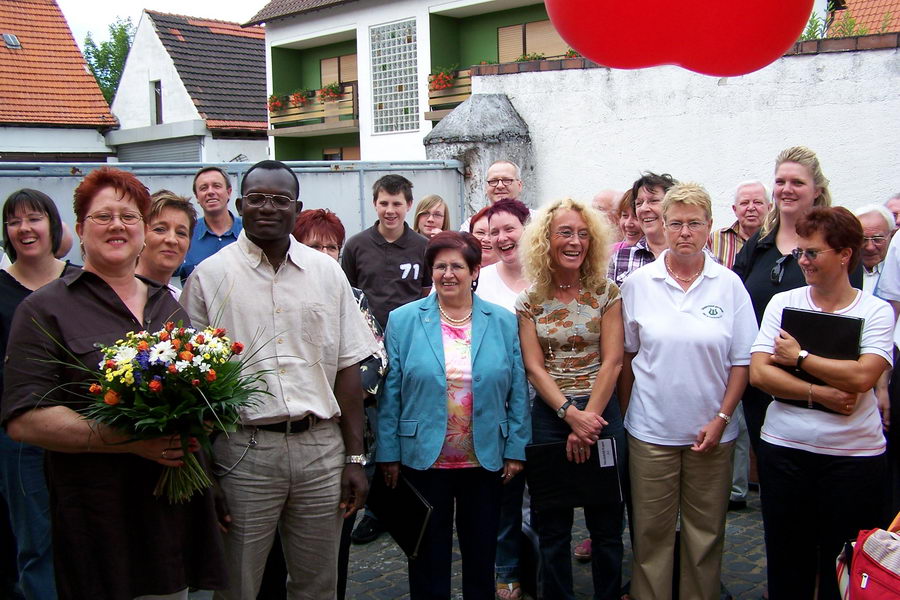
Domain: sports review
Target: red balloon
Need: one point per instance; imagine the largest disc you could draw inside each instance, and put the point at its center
(714, 37)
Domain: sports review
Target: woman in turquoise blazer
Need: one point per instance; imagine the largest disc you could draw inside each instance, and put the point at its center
(453, 416)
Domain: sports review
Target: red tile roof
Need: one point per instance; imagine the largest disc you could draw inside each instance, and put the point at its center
(874, 14)
(46, 81)
(285, 8)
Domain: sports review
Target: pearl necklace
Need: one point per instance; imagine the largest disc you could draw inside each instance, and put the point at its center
(682, 279)
(451, 320)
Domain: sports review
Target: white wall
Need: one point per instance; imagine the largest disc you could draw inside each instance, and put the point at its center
(225, 150)
(598, 128)
(51, 139)
(358, 17)
(148, 61)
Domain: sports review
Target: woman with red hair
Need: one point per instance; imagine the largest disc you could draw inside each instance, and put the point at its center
(112, 538)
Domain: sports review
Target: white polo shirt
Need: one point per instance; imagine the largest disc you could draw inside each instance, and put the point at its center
(686, 344)
(492, 288)
(817, 431)
(888, 286)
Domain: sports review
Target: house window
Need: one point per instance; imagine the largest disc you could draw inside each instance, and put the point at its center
(537, 37)
(156, 116)
(338, 69)
(395, 89)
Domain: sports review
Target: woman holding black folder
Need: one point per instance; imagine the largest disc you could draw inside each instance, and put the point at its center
(570, 326)
(453, 416)
(821, 455)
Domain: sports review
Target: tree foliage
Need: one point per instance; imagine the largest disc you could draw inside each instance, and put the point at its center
(107, 59)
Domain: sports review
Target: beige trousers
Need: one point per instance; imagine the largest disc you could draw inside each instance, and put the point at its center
(289, 481)
(665, 479)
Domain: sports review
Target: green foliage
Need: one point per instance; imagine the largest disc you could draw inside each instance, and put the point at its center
(886, 19)
(816, 28)
(530, 56)
(107, 60)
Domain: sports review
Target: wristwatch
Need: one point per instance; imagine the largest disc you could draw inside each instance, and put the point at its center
(803, 354)
(724, 417)
(356, 459)
(561, 411)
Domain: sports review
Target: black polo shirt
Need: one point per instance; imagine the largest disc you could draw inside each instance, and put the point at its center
(390, 273)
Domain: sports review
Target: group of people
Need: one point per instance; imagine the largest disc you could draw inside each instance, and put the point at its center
(441, 355)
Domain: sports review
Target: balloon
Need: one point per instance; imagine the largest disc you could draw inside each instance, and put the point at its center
(714, 37)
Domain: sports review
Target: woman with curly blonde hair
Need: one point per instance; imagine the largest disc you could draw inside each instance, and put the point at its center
(571, 332)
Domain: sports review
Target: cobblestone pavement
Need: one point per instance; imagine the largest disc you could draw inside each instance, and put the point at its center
(378, 570)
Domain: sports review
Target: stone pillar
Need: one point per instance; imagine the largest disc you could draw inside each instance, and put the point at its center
(483, 129)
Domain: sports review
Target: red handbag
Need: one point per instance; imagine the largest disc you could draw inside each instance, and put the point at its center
(874, 570)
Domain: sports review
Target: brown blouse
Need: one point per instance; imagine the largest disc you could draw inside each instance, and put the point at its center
(112, 539)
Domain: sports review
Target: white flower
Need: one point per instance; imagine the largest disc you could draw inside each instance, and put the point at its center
(200, 363)
(125, 355)
(181, 365)
(162, 352)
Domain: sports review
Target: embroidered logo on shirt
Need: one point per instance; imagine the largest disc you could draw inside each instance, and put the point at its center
(712, 311)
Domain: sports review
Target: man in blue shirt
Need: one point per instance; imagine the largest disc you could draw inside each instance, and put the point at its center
(218, 227)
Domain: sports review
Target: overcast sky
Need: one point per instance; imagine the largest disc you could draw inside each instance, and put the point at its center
(96, 15)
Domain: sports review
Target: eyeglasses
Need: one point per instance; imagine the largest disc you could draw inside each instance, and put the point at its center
(434, 215)
(496, 182)
(677, 226)
(105, 218)
(877, 240)
(567, 234)
(326, 247)
(809, 254)
(259, 200)
(31, 220)
(777, 273)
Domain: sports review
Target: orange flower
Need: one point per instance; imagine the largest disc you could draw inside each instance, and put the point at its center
(189, 347)
(186, 356)
(96, 388)
(200, 339)
(237, 348)
(111, 397)
(170, 326)
(110, 364)
(195, 382)
(176, 343)
(172, 369)
(219, 332)
(155, 386)
(211, 375)
(163, 336)
(142, 345)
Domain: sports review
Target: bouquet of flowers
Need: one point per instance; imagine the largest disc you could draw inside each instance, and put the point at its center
(176, 381)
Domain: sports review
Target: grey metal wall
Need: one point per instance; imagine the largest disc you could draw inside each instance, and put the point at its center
(343, 187)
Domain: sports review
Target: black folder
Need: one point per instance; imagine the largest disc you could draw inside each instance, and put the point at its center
(824, 334)
(556, 482)
(403, 512)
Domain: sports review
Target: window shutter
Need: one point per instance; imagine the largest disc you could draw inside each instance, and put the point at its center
(329, 70)
(510, 42)
(541, 37)
(348, 68)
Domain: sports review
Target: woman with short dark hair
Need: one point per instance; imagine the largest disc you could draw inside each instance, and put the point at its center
(32, 231)
(453, 416)
(821, 471)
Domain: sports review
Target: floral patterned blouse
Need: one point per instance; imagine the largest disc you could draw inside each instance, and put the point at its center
(569, 334)
(459, 447)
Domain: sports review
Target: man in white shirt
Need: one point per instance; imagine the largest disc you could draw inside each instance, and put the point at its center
(292, 464)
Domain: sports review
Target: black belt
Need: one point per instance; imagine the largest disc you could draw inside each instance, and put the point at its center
(298, 426)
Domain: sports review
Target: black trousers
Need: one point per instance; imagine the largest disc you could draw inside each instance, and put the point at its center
(474, 496)
(811, 504)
